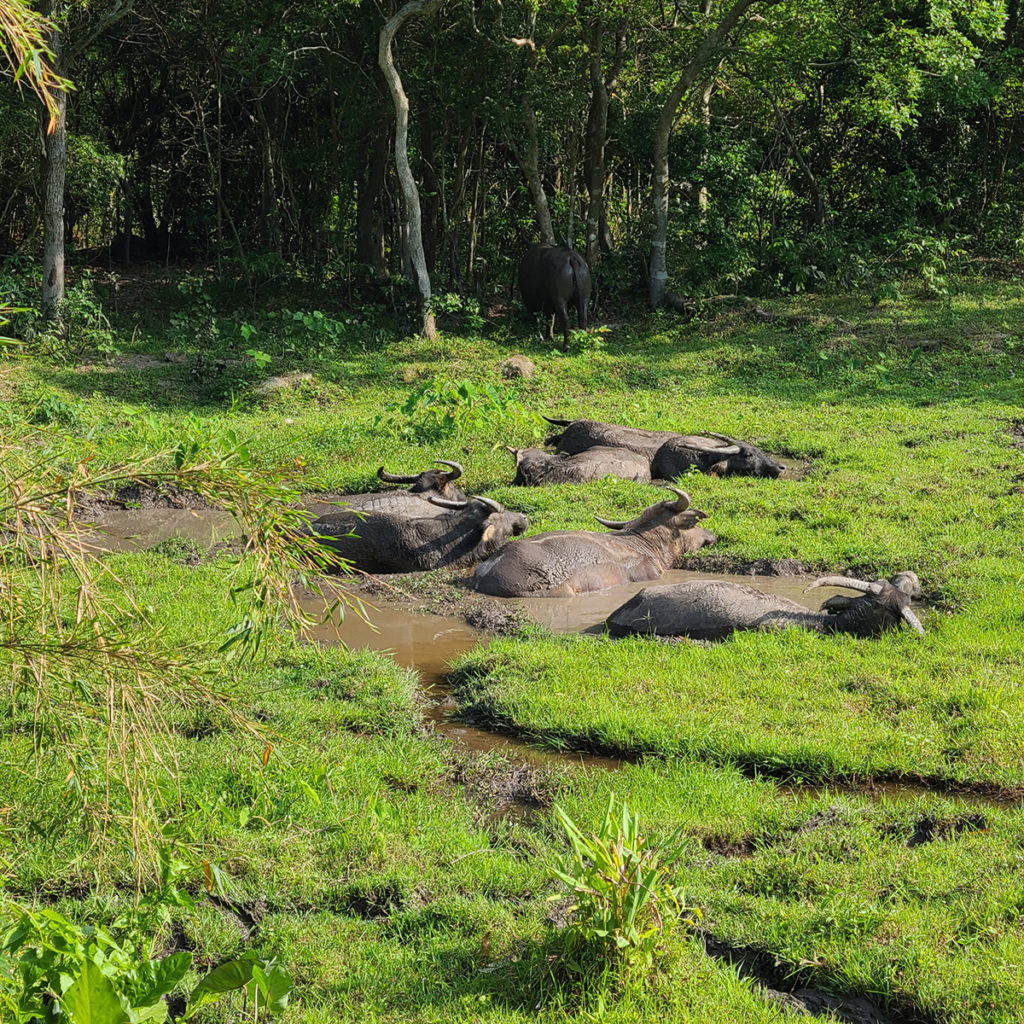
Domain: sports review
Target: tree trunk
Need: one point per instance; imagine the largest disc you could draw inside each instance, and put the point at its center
(55, 159)
(369, 225)
(531, 168)
(658, 272)
(54, 167)
(601, 88)
(410, 193)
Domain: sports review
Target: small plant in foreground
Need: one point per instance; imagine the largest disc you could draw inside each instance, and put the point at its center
(54, 969)
(623, 900)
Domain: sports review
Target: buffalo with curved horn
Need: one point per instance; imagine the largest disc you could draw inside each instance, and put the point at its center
(713, 454)
(567, 562)
(670, 454)
(578, 435)
(446, 533)
(535, 467)
(415, 500)
(712, 609)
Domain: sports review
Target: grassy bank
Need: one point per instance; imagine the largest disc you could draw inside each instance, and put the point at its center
(370, 858)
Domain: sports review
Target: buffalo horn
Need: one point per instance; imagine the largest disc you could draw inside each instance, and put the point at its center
(446, 502)
(731, 447)
(912, 621)
(490, 503)
(683, 499)
(845, 581)
(456, 468)
(613, 524)
(556, 423)
(390, 478)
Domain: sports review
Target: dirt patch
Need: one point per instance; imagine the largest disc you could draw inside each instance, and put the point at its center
(497, 787)
(727, 847)
(137, 496)
(930, 829)
(758, 567)
(1017, 434)
(785, 989)
(496, 619)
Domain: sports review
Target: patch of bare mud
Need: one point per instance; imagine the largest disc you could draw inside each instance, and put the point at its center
(772, 981)
(1017, 434)
(137, 496)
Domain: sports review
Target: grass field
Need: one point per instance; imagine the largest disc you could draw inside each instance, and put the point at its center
(375, 861)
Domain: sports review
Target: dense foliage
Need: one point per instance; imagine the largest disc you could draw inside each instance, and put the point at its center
(814, 143)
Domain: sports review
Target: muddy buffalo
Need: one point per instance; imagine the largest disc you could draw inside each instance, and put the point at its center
(535, 467)
(671, 454)
(577, 436)
(570, 562)
(712, 609)
(451, 533)
(713, 454)
(553, 279)
(415, 499)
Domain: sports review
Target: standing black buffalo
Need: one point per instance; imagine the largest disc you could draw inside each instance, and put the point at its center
(551, 279)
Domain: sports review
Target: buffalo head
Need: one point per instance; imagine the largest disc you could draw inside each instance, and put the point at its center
(430, 481)
(713, 454)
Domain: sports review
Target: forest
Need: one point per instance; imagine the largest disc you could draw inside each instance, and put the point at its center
(371, 655)
(687, 150)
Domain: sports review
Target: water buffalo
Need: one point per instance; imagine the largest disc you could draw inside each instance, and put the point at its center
(415, 500)
(578, 435)
(454, 533)
(569, 562)
(551, 279)
(671, 454)
(713, 454)
(535, 467)
(712, 609)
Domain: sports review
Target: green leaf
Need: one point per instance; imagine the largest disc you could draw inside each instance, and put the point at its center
(158, 977)
(274, 985)
(92, 999)
(229, 977)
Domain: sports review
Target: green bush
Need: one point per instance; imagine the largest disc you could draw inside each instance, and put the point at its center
(623, 899)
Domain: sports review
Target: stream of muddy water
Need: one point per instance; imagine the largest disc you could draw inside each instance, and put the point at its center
(429, 643)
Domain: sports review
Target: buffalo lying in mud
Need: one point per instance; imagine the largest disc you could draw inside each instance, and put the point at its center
(578, 435)
(712, 609)
(450, 533)
(713, 454)
(568, 562)
(553, 278)
(671, 454)
(415, 500)
(535, 467)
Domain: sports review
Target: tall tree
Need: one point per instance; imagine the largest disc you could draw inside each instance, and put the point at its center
(74, 27)
(410, 193)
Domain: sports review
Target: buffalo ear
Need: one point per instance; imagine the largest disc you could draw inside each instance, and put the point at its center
(718, 469)
(488, 533)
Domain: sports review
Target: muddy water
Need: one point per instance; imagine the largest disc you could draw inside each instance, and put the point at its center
(134, 529)
(428, 644)
(796, 469)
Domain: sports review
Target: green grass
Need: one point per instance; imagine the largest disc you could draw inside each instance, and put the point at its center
(365, 851)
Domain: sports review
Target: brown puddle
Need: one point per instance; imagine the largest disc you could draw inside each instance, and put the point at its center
(795, 469)
(428, 644)
(135, 529)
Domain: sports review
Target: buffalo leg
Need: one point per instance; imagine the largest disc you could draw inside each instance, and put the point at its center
(581, 312)
(562, 312)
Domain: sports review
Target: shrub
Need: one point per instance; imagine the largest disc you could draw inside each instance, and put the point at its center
(623, 899)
